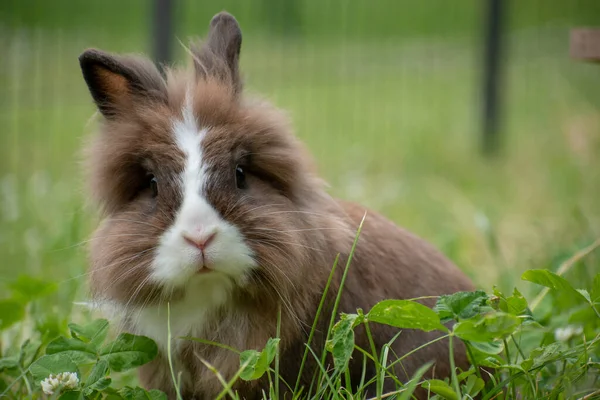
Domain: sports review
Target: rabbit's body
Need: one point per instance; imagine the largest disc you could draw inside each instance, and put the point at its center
(389, 263)
(213, 209)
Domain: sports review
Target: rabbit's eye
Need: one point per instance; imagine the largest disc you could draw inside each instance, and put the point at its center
(240, 178)
(153, 185)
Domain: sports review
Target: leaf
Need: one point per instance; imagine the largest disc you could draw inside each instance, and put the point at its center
(271, 349)
(473, 386)
(487, 328)
(79, 351)
(97, 373)
(112, 394)
(128, 351)
(27, 288)
(489, 348)
(11, 312)
(483, 359)
(98, 386)
(248, 361)
(465, 374)
(585, 294)
(491, 362)
(70, 395)
(8, 363)
(52, 364)
(551, 280)
(341, 344)
(137, 393)
(94, 332)
(440, 387)
(153, 394)
(409, 388)
(541, 356)
(515, 304)
(257, 362)
(461, 305)
(405, 314)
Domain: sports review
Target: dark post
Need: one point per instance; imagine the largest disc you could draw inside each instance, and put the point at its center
(162, 31)
(492, 74)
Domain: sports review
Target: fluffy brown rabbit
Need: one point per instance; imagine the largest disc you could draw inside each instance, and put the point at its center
(211, 205)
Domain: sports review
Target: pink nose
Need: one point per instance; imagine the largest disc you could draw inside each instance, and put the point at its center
(200, 241)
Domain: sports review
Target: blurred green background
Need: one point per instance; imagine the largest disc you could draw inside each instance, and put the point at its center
(387, 95)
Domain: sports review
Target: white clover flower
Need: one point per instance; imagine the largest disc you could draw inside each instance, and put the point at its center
(64, 380)
(49, 385)
(71, 380)
(566, 333)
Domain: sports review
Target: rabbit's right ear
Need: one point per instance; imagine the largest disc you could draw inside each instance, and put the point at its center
(118, 83)
(219, 55)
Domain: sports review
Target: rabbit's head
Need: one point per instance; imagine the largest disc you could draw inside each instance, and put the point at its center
(200, 187)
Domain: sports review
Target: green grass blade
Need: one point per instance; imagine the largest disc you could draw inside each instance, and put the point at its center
(341, 288)
(169, 356)
(410, 387)
(315, 321)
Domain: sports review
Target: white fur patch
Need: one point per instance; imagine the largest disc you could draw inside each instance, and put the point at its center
(188, 316)
(176, 263)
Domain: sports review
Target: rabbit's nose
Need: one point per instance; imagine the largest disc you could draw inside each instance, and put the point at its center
(200, 240)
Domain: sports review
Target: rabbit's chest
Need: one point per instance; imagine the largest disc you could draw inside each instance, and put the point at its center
(191, 316)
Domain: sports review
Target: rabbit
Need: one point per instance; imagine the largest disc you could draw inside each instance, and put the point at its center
(216, 224)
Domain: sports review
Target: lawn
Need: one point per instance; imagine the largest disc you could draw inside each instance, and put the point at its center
(389, 110)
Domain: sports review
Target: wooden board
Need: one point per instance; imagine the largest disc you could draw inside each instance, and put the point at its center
(585, 44)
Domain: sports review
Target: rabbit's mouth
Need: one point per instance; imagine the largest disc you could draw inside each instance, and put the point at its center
(203, 270)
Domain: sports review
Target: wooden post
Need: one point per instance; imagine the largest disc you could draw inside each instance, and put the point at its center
(163, 31)
(492, 70)
(585, 44)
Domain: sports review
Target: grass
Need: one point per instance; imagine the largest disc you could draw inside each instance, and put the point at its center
(391, 117)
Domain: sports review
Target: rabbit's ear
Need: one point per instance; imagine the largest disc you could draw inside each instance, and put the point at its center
(118, 83)
(219, 55)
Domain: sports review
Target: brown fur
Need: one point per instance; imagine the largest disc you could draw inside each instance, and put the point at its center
(292, 225)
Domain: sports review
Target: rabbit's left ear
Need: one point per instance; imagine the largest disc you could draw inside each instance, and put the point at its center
(118, 83)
